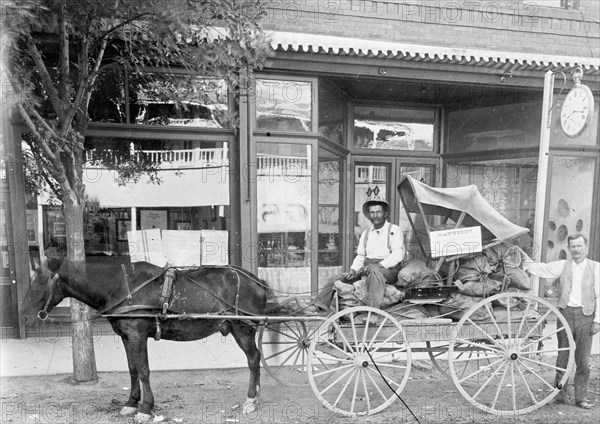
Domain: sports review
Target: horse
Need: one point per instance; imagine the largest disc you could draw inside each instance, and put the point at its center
(150, 293)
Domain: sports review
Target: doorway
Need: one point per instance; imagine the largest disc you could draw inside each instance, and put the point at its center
(380, 176)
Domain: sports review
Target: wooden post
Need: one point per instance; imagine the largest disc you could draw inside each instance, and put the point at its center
(542, 177)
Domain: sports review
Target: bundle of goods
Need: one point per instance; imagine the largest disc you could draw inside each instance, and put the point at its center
(355, 294)
(496, 270)
(421, 283)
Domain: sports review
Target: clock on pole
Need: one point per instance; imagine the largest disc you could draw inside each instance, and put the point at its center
(577, 108)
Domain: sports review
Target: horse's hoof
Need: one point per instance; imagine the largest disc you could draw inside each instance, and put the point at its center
(140, 417)
(249, 406)
(127, 410)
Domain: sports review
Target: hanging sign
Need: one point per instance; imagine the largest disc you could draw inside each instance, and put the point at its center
(459, 241)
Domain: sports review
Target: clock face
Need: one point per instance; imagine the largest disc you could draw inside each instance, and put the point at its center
(577, 110)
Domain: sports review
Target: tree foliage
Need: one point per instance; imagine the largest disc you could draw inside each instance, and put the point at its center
(58, 48)
(53, 52)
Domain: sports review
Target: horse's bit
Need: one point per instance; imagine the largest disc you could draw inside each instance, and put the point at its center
(43, 314)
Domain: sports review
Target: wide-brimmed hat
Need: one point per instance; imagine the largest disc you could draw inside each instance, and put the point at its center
(375, 200)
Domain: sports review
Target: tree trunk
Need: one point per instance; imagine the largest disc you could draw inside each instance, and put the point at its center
(84, 358)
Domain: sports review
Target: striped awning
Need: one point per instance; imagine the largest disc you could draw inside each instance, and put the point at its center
(343, 46)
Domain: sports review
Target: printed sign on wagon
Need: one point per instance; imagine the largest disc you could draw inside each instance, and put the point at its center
(460, 241)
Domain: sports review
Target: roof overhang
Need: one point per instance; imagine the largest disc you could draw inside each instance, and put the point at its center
(344, 46)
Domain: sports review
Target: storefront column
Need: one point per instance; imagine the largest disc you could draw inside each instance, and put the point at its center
(542, 176)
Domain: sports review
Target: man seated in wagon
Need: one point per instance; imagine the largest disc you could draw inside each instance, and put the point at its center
(378, 258)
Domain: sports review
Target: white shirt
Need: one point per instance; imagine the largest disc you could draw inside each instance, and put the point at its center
(554, 269)
(377, 246)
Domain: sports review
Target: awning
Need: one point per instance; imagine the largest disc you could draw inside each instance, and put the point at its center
(453, 201)
(344, 46)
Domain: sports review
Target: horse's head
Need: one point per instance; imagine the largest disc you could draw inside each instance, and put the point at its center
(43, 294)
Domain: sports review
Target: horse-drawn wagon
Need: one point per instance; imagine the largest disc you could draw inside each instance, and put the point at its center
(499, 354)
(357, 360)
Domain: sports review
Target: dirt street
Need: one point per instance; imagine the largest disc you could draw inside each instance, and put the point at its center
(216, 396)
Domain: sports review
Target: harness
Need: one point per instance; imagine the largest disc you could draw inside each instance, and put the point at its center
(118, 309)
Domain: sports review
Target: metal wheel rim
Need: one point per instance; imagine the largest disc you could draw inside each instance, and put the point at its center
(358, 374)
(295, 356)
(510, 359)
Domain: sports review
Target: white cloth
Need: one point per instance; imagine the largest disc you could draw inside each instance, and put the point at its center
(555, 269)
(377, 246)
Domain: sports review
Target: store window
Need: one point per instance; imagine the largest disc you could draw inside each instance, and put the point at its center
(490, 128)
(155, 99)
(331, 111)
(509, 186)
(284, 199)
(569, 210)
(107, 103)
(284, 105)
(330, 224)
(152, 101)
(394, 128)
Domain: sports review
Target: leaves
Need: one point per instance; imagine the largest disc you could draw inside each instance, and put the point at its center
(59, 48)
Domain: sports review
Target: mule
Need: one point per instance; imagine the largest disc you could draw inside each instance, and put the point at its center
(227, 290)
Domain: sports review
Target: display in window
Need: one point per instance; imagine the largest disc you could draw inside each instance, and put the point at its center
(283, 105)
(150, 219)
(123, 226)
(393, 128)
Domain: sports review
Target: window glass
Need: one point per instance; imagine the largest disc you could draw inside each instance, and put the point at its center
(284, 216)
(494, 127)
(393, 128)
(331, 111)
(283, 105)
(424, 174)
(107, 103)
(509, 186)
(329, 217)
(369, 179)
(175, 100)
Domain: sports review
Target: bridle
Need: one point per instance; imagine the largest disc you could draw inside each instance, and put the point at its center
(43, 314)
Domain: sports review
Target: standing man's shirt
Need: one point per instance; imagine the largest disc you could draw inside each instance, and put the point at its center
(385, 243)
(555, 269)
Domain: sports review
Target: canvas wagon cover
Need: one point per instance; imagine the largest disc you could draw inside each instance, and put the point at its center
(441, 201)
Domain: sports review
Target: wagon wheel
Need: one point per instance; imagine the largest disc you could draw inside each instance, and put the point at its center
(369, 347)
(507, 374)
(284, 350)
(438, 354)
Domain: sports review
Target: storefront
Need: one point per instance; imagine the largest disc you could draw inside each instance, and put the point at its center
(328, 121)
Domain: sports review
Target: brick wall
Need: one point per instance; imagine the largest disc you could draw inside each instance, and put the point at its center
(505, 25)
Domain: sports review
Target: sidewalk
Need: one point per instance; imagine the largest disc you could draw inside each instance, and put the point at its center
(52, 355)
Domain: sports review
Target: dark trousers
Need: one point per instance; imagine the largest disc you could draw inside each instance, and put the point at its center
(376, 281)
(581, 326)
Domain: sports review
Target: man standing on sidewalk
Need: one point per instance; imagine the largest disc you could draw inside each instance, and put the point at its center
(579, 302)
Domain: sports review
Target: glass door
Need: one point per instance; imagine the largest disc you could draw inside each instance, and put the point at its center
(330, 216)
(381, 176)
(424, 174)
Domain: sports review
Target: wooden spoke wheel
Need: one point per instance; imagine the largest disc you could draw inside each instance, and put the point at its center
(284, 350)
(508, 372)
(368, 360)
(438, 355)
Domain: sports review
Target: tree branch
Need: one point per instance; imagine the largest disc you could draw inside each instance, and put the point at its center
(47, 151)
(46, 80)
(64, 69)
(109, 31)
(86, 81)
(59, 173)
